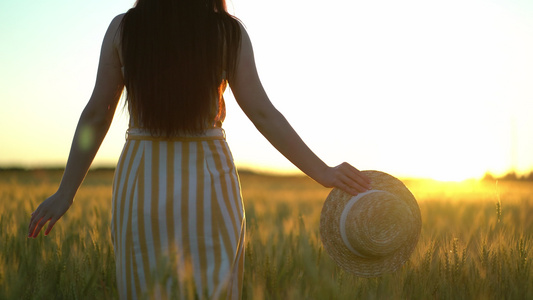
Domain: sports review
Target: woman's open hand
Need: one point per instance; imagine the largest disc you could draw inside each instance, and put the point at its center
(347, 178)
(52, 209)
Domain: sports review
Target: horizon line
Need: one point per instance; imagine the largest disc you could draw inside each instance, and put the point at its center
(509, 175)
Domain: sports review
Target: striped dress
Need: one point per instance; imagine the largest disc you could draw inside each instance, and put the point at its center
(178, 221)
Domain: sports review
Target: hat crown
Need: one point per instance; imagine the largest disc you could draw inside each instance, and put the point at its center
(375, 223)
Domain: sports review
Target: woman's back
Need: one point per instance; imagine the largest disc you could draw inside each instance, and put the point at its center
(176, 193)
(177, 56)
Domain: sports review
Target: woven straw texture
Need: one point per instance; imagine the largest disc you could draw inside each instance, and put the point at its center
(381, 227)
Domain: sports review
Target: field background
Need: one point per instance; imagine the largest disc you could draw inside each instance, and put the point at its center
(475, 243)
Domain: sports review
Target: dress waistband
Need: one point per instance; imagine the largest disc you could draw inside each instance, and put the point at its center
(144, 134)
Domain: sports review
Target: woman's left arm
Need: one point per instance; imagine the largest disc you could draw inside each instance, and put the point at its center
(92, 127)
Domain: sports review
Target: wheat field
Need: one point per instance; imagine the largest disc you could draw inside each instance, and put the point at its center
(475, 243)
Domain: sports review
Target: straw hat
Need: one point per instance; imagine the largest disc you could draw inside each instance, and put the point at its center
(374, 232)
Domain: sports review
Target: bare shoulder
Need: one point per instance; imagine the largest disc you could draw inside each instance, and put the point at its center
(246, 43)
(244, 32)
(113, 35)
(116, 20)
(114, 26)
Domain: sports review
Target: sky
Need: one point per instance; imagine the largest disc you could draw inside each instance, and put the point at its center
(438, 89)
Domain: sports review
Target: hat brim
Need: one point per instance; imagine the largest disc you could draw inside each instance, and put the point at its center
(344, 257)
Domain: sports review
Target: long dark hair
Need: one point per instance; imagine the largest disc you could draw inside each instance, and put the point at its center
(177, 56)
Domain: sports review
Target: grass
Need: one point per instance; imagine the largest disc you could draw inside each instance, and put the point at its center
(475, 243)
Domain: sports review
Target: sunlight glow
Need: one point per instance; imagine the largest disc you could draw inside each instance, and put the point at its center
(437, 89)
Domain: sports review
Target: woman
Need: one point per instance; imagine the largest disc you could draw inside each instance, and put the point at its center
(177, 207)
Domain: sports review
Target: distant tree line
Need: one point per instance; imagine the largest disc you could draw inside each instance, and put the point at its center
(511, 176)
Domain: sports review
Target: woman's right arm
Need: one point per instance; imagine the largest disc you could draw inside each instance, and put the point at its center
(253, 100)
(92, 127)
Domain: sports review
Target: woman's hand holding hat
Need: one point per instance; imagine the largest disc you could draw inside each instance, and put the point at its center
(347, 178)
